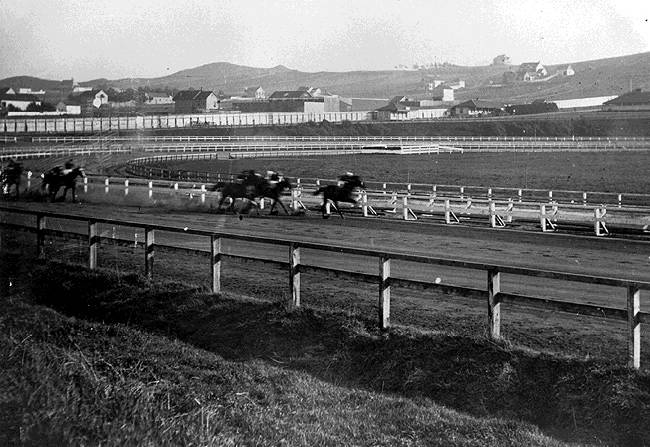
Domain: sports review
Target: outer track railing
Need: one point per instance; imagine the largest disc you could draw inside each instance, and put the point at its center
(493, 295)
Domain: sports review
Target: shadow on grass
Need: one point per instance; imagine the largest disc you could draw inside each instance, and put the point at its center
(571, 399)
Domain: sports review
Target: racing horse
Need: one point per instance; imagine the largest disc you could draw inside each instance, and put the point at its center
(252, 186)
(273, 191)
(248, 186)
(343, 193)
(11, 175)
(55, 178)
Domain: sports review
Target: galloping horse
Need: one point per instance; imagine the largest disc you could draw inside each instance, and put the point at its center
(341, 193)
(11, 175)
(273, 191)
(54, 179)
(252, 186)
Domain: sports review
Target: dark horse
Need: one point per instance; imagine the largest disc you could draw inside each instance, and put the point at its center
(252, 187)
(11, 175)
(54, 179)
(343, 193)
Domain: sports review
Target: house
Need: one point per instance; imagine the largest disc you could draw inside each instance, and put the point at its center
(18, 101)
(256, 92)
(431, 84)
(315, 92)
(501, 59)
(195, 101)
(403, 108)
(568, 71)
(633, 101)
(157, 98)
(91, 99)
(530, 71)
(477, 108)
(442, 93)
(79, 89)
(7, 91)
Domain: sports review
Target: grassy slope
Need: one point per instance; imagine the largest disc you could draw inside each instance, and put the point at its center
(73, 382)
(308, 377)
(610, 76)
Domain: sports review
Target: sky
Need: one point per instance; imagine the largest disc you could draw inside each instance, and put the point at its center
(89, 39)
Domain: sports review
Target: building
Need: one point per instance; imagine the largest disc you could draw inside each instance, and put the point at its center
(91, 100)
(568, 71)
(18, 101)
(69, 107)
(195, 101)
(404, 108)
(443, 92)
(537, 106)
(315, 92)
(633, 101)
(256, 92)
(477, 108)
(7, 91)
(289, 95)
(158, 98)
(29, 91)
(530, 71)
(501, 59)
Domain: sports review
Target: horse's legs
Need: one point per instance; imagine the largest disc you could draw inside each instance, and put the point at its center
(282, 205)
(338, 210)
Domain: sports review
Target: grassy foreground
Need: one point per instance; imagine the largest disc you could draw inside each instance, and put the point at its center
(97, 357)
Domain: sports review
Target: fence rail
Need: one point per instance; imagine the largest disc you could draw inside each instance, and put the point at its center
(493, 294)
(444, 138)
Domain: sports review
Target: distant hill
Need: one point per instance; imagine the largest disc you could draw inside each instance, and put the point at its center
(600, 77)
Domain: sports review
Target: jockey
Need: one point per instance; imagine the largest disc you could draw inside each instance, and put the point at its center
(273, 178)
(68, 167)
(346, 177)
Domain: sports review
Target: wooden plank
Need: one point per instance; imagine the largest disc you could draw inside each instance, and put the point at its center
(215, 261)
(634, 327)
(384, 292)
(294, 274)
(148, 251)
(494, 306)
(92, 244)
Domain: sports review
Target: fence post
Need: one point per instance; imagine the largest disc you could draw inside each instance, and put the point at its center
(494, 307)
(294, 274)
(215, 261)
(40, 237)
(148, 252)
(633, 327)
(384, 292)
(93, 240)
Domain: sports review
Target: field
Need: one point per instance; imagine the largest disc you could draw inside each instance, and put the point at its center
(178, 356)
(594, 171)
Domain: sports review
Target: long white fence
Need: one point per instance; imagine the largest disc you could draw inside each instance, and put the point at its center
(493, 296)
(105, 124)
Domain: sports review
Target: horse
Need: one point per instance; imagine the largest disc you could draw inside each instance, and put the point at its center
(11, 175)
(251, 187)
(341, 193)
(54, 179)
(273, 191)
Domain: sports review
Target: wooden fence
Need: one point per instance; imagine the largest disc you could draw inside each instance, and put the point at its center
(492, 295)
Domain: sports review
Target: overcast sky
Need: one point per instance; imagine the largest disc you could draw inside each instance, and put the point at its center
(88, 39)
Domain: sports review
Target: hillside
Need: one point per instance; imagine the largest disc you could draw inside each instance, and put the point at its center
(592, 78)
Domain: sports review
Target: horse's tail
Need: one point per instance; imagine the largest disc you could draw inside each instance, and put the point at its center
(320, 190)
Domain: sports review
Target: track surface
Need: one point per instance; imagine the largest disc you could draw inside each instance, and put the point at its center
(586, 255)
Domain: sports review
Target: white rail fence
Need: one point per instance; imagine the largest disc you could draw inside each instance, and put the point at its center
(493, 296)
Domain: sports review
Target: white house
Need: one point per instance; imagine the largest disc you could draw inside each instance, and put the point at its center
(18, 100)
